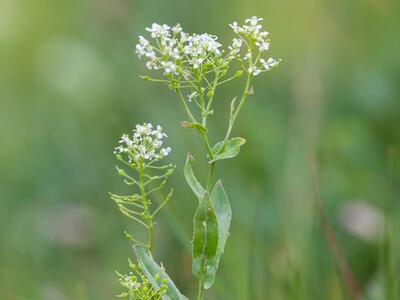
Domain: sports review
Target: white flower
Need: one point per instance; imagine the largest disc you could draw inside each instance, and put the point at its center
(253, 20)
(144, 129)
(144, 145)
(197, 62)
(236, 43)
(177, 28)
(192, 96)
(152, 65)
(169, 67)
(140, 50)
(252, 30)
(142, 47)
(235, 47)
(165, 151)
(143, 41)
(174, 53)
(254, 70)
(269, 64)
(236, 28)
(157, 144)
(247, 56)
(184, 37)
(158, 132)
(263, 46)
(157, 30)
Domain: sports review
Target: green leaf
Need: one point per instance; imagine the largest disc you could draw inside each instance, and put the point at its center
(205, 234)
(192, 181)
(196, 126)
(224, 214)
(151, 269)
(230, 150)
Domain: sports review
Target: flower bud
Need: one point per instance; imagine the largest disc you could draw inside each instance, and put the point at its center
(238, 73)
(121, 172)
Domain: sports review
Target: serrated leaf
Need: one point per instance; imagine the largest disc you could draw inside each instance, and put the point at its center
(230, 150)
(205, 233)
(192, 181)
(151, 269)
(224, 214)
(196, 126)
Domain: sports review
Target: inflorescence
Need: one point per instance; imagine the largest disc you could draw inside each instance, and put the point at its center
(138, 287)
(178, 54)
(145, 144)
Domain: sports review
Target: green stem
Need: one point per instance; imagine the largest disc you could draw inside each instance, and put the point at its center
(148, 216)
(200, 295)
(210, 101)
(203, 262)
(207, 145)
(232, 119)
(210, 178)
(191, 117)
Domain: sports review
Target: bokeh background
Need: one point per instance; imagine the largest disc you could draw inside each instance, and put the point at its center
(69, 86)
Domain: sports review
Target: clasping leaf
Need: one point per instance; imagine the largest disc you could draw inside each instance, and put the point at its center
(230, 150)
(224, 214)
(205, 234)
(192, 181)
(200, 128)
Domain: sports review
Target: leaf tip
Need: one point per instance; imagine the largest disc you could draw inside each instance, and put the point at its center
(189, 157)
(184, 124)
(242, 141)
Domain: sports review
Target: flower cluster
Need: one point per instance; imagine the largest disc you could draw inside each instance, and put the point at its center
(138, 287)
(258, 41)
(179, 55)
(145, 144)
(177, 51)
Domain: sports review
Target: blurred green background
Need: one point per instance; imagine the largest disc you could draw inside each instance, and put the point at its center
(69, 86)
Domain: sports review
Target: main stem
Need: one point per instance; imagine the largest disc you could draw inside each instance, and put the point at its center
(210, 179)
(149, 219)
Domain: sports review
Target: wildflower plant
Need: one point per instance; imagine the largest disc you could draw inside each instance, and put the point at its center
(142, 151)
(194, 66)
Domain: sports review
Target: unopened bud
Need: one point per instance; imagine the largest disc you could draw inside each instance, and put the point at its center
(238, 73)
(121, 172)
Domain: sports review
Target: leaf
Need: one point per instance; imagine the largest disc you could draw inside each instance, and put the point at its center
(192, 181)
(224, 214)
(151, 269)
(230, 150)
(205, 234)
(196, 126)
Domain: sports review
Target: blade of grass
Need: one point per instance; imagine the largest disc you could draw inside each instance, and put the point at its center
(345, 271)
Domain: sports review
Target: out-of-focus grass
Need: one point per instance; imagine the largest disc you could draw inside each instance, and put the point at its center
(69, 86)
